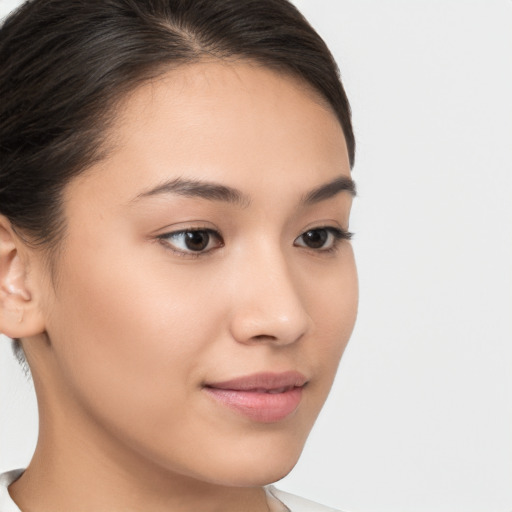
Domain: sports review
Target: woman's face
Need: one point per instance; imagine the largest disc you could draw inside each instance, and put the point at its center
(206, 289)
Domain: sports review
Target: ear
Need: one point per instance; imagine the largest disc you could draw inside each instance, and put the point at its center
(20, 315)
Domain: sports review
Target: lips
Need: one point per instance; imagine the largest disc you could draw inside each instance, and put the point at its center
(261, 397)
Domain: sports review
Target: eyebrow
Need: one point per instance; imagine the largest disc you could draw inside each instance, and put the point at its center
(329, 190)
(198, 188)
(217, 192)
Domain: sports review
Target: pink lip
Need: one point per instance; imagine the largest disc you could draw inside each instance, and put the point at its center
(262, 397)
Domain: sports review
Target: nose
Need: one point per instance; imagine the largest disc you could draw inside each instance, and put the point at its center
(267, 306)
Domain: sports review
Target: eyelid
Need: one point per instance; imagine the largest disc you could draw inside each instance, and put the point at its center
(337, 232)
(165, 238)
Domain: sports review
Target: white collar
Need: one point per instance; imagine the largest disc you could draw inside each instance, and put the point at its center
(6, 479)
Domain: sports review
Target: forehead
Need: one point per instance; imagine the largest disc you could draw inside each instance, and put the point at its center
(238, 77)
(234, 122)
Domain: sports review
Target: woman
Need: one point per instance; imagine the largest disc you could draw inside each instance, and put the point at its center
(175, 256)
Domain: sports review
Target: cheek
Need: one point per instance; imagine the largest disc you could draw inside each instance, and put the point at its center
(332, 303)
(333, 300)
(131, 350)
(128, 332)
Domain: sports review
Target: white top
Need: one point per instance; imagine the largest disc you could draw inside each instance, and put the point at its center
(278, 501)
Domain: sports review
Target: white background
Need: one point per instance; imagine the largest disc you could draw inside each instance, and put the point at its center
(420, 418)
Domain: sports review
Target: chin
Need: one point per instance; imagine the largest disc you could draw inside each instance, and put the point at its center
(258, 476)
(256, 468)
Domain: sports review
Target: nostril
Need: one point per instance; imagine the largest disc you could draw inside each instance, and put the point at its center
(264, 337)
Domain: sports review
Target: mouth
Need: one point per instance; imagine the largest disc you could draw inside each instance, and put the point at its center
(261, 397)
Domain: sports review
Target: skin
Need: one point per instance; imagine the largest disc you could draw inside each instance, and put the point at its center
(123, 338)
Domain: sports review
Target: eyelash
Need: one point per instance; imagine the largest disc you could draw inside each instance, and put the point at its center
(166, 237)
(337, 234)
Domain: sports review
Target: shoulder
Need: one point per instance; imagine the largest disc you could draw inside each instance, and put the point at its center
(295, 503)
(6, 479)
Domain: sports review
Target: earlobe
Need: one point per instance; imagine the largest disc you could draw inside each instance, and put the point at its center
(20, 316)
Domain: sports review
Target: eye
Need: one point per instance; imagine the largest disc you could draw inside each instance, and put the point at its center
(192, 241)
(322, 239)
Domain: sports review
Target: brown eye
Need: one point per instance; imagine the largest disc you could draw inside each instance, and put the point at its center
(322, 239)
(192, 240)
(315, 238)
(196, 240)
